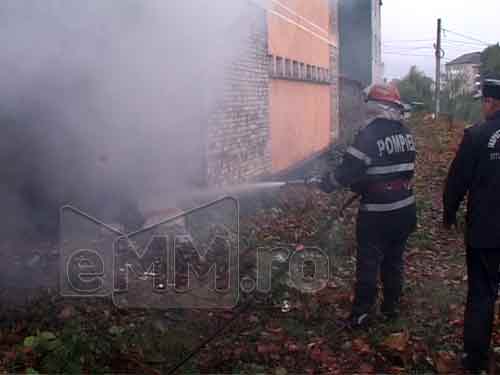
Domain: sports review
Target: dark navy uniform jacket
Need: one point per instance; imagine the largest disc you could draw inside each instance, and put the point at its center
(380, 166)
(476, 172)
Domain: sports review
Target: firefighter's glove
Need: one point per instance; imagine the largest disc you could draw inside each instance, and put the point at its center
(315, 180)
(328, 183)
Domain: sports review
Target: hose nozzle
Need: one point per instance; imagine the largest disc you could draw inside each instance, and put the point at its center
(315, 180)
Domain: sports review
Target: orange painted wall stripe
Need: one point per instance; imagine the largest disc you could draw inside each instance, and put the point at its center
(289, 41)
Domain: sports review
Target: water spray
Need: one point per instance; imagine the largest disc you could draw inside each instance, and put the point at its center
(252, 187)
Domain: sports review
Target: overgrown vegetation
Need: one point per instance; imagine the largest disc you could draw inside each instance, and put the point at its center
(458, 104)
(490, 62)
(303, 335)
(417, 87)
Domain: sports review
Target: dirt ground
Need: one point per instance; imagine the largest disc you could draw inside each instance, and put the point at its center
(279, 332)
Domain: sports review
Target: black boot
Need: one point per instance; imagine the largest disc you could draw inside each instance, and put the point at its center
(475, 364)
(390, 311)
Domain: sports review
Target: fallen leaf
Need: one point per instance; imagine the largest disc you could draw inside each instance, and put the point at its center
(360, 346)
(10, 356)
(445, 362)
(237, 352)
(292, 347)
(315, 354)
(253, 319)
(66, 313)
(397, 341)
(274, 329)
(366, 368)
(12, 339)
(457, 322)
(397, 370)
(267, 348)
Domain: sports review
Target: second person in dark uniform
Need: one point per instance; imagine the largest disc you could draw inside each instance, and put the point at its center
(476, 172)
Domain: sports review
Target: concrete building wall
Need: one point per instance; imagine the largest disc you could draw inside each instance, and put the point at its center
(360, 53)
(376, 23)
(351, 112)
(355, 40)
(361, 40)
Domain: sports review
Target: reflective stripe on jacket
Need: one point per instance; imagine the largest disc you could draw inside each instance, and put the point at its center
(383, 152)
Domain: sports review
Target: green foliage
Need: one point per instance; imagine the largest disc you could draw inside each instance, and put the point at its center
(462, 107)
(417, 87)
(72, 351)
(468, 109)
(458, 102)
(490, 62)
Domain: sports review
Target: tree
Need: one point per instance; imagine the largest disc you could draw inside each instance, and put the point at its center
(457, 102)
(417, 87)
(490, 62)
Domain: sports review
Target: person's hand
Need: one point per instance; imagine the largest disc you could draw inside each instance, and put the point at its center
(328, 183)
(315, 180)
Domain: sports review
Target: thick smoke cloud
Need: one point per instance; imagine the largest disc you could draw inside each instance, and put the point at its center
(104, 99)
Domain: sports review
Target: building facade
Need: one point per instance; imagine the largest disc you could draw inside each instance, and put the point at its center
(280, 102)
(360, 28)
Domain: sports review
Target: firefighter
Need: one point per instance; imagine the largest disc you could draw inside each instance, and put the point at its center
(475, 171)
(379, 166)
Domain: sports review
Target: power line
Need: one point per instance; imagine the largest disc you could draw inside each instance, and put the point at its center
(459, 48)
(468, 37)
(463, 42)
(408, 41)
(408, 48)
(406, 54)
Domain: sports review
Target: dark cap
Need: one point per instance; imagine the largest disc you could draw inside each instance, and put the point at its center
(491, 88)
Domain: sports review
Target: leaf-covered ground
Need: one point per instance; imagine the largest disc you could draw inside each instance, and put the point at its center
(284, 331)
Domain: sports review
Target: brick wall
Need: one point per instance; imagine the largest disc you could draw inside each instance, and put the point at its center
(238, 133)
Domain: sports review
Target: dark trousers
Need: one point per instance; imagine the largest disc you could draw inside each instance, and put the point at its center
(482, 273)
(372, 258)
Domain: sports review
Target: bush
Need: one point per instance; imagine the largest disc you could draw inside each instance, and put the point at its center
(462, 107)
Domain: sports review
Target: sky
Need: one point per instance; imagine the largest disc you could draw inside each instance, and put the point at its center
(410, 28)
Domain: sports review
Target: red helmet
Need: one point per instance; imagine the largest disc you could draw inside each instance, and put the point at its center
(384, 93)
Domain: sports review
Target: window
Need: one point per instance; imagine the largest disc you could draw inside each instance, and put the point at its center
(296, 72)
(288, 68)
(279, 67)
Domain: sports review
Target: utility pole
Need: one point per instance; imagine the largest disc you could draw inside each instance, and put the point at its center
(438, 69)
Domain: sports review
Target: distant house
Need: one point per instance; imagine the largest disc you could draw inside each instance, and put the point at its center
(466, 68)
